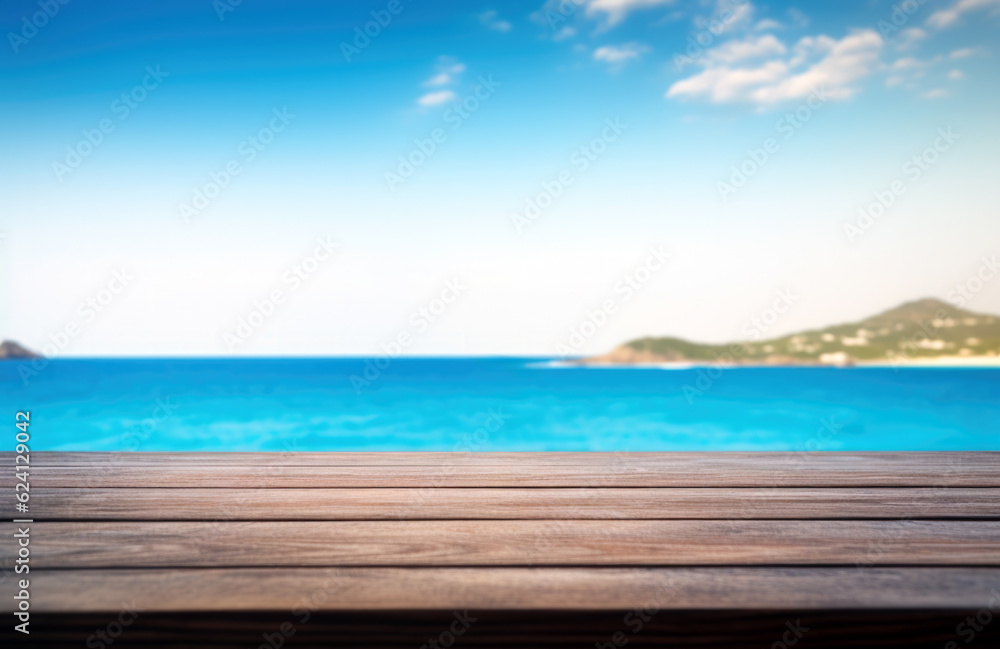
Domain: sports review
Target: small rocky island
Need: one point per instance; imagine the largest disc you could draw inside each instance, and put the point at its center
(12, 351)
(927, 331)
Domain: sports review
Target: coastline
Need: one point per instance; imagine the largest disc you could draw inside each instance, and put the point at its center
(942, 361)
(953, 362)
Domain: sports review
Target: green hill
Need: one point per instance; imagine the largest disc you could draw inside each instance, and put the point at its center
(921, 330)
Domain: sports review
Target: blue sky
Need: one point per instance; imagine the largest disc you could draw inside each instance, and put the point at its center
(297, 127)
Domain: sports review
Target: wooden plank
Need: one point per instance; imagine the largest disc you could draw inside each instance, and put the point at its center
(711, 460)
(499, 543)
(672, 470)
(194, 504)
(622, 589)
(504, 469)
(438, 531)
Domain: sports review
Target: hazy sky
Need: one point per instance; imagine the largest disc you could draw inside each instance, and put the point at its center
(208, 178)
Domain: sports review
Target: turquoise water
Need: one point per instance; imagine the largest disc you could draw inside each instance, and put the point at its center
(493, 404)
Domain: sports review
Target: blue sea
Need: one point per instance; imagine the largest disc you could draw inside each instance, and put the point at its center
(493, 404)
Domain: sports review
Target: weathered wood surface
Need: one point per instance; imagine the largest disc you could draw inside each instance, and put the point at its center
(411, 470)
(433, 531)
(692, 463)
(516, 588)
(194, 504)
(509, 543)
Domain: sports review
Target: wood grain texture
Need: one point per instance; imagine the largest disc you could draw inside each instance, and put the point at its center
(507, 531)
(194, 504)
(799, 472)
(620, 589)
(280, 470)
(502, 543)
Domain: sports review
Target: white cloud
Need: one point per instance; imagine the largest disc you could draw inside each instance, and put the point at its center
(619, 53)
(447, 71)
(907, 63)
(810, 47)
(848, 60)
(564, 33)
(740, 16)
(799, 18)
(728, 16)
(955, 75)
(767, 25)
(815, 63)
(439, 79)
(909, 72)
(491, 19)
(935, 94)
(436, 98)
(948, 17)
(722, 85)
(616, 10)
(962, 53)
(751, 48)
(909, 37)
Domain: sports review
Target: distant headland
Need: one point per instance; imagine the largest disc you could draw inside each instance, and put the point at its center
(924, 332)
(10, 350)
